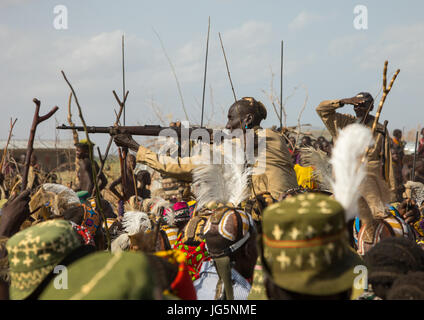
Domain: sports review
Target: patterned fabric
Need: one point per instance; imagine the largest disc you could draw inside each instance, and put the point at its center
(91, 219)
(194, 255)
(171, 233)
(191, 207)
(392, 226)
(86, 235)
(34, 252)
(182, 211)
(419, 226)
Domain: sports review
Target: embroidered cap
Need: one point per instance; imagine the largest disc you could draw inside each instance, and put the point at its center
(305, 245)
(34, 252)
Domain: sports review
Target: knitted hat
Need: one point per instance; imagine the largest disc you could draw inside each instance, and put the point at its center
(105, 276)
(305, 245)
(34, 252)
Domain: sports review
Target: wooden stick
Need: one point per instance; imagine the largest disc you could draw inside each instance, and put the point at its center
(75, 138)
(35, 122)
(93, 166)
(386, 91)
(118, 116)
(228, 70)
(3, 158)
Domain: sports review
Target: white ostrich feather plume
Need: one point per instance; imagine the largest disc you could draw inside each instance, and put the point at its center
(134, 222)
(348, 170)
(222, 183)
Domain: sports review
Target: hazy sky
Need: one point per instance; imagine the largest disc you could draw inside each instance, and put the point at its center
(325, 58)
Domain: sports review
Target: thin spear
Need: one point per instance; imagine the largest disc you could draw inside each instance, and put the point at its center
(123, 73)
(281, 85)
(228, 69)
(206, 68)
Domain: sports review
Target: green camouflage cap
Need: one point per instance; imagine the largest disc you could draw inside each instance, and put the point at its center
(105, 276)
(34, 252)
(305, 245)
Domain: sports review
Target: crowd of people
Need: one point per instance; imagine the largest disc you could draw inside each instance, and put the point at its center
(297, 230)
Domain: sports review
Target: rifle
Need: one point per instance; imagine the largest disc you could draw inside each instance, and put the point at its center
(146, 130)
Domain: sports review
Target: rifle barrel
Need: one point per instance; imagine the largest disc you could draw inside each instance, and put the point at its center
(147, 130)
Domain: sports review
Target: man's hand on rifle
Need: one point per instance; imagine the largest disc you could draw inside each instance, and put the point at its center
(126, 141)
(14, 213)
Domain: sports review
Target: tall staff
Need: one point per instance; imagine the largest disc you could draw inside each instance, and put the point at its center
(206, 68)
(124, 153)
(123, 74)
(228, 70)
(281, 85)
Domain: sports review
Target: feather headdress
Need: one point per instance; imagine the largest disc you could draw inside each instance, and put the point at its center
(226, 182)
(135, 221)
(348, 169)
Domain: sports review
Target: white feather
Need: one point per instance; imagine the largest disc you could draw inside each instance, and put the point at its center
(209, 184)
(134, 222)
(348, 170)
(225, 182)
